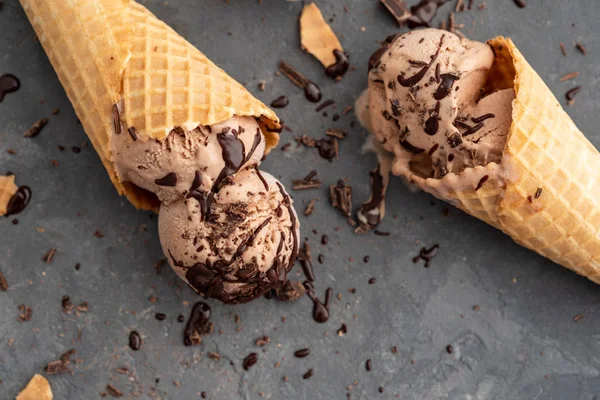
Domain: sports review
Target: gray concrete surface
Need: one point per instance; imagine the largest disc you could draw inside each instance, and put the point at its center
(521, 344)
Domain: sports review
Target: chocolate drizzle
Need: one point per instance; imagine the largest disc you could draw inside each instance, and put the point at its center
(261, 177)
(320, 310)
(416, 78)
(483, 118)
(18, 201)
(340, 67)
(8, 84)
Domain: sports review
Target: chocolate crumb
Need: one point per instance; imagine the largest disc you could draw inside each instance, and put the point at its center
(450, 349)
(3, 283)
(577, 318)
(49, 256)
(372, 281)
(340, 196)
(308, 374)
(250, 361)
(369, 365)
(262, 85)
(301, 353)
(581, 48)
(160, 316)
(214, 355)
(520, 3)
(343, 330)
(99, 234)
(67, 304)
(570, 95)
(113, 391)
(262, 341)
(476, 307)
(76, 149)
(36, 128)
(563, 50)
(394, 350)
(380, 233)
(24, 313)
(569, 76)
(310, 207)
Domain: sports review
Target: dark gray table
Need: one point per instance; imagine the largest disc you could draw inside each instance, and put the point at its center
(522, 342)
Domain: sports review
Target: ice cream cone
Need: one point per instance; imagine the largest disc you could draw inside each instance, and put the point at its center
(548, 196)
(123, 69)
(7, 191)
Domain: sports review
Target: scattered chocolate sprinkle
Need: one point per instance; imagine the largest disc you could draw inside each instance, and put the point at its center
(381, 233)
(520, 3)
(340, 196)
(324, 105)
(308, 374)
(394, 350)
(198, 324)
(135, 340)
(310, 207)
(343, 330)
(563, 50)
(321, 258)
(347, 110)
(369, 365)
(324, 239)
(24, 313)
(427, 255)
(366, 259)
(77, 266)
(577, 318)
(570, 95)
(36, 128)
(76, 149)
(398, 9)
(308, 182)
(538, 193)
(450, 349)
(250, 361)
(99, 234)
(569, 76)
(476, 307)
(3, 283)
(113, 391)
(311, 90)
(337, 133)
(302, 353)
(581, 48)
(483, 118)
(67, 304)
(280, 102)
(381, 390)
(372, 281)
(180, 318)
(49, 256)
(213, 355)
(481, 182)
(262, 341)
(160, 316)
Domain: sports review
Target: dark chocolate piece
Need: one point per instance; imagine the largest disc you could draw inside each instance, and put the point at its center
(198, 324)
(398, 9)
(36, 128)
(8, 84)
(135, 341)
(340, 196)
(168, 180)
(250, 360)
(341, 65)
(280, 102)
(18, 201)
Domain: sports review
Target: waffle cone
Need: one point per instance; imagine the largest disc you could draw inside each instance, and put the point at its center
(7, 191)
(549, 197)
(111, 53)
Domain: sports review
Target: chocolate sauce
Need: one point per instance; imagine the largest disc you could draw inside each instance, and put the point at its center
(324, 105)
(312, 92)
(198, 323)
(483, 118)
(340, 67)
(445, 88)
(18, 201)
(413, 80)
(427, 255)
(262, 178)
(8, 84)
(168, 180)
(280, 102)
(250, 361)
(375, 59)
(424, 12)
(377, 198)
(320, 310)
(135, 340)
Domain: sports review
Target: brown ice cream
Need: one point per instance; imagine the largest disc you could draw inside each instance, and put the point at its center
(427, 105)
(227, 229)
(244, 247)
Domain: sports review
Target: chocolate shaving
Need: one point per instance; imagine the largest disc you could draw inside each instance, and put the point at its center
(570, 95)
(61, 365)
(36, 128)
(581, 48)
(340, 196)
(569, 76)
(49, 256)
(116, 119)
(538, 193)
(113, 391)
(520, 3)
(563, 50)
(398, 9)
(308, 182)
(310, 207)
(132, 133)
(337, 133)
(290, 291)
(24, 313)
(481, 182)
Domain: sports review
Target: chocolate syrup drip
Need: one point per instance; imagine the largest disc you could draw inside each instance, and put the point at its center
(8, 84)
(307, 268)
(262, 178)
(483, 118)
(406, 145)
(413, 80)
(312, 92)
(427, 255)
(341, 65)
(320, 310)
(168, 180)
(198, 323)
(18, 201)
(377, 198)
(445, 87)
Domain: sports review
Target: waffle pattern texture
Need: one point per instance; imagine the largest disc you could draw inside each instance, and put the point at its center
(116, 52)
(551, 201)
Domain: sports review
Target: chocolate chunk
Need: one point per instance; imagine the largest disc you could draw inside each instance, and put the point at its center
(24, 313)
(36, 128)
(302, 353)
(250, 361)
(398, 9)
(135, 340)
(290, 291)
(340, 196)
(455, 140)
